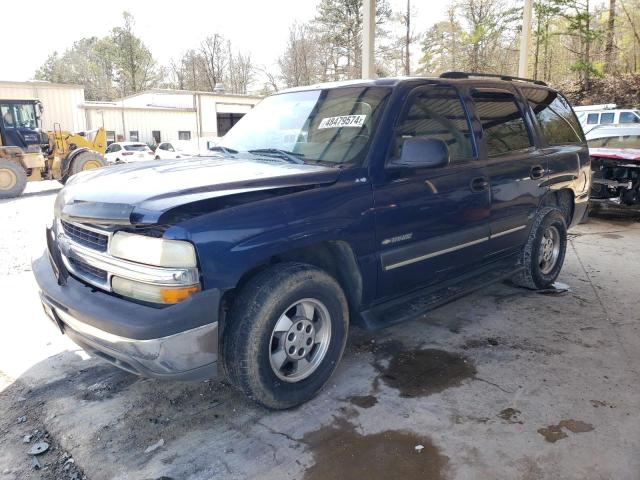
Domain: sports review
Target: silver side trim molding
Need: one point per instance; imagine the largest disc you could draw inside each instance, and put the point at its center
(435, 254)
(507, 232)
(452, 249)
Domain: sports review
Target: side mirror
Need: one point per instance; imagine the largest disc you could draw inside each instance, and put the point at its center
(422, 153)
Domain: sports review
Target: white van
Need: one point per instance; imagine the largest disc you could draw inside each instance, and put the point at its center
(608, 114)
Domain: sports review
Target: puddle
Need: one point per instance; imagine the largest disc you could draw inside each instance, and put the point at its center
(417, 373)
(553, 433)
(510, 415)
(342, 453)
(363, 401)
(611, 235)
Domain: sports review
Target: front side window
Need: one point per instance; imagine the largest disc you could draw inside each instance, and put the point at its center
(502, 121)
(435, 113)
(332, 125)
(629, 117)
(607, 117)
(19, 115)
(592, 119)
(557, 121)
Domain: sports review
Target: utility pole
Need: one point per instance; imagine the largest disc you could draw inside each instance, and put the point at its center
(525, 38)
(368, 38)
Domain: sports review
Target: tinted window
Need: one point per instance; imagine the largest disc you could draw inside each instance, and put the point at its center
(116, 148)
(502, 122)
(435, 112)
(606, 117)
(558, 122)
(138, 147)
(622, 141)
(592, 118)
(629, 117)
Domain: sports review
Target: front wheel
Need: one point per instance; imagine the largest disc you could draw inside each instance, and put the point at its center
(285, 334)
(13, 179)
(543, 255)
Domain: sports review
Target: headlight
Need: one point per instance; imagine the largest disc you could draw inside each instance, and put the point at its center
(151, 293)
(153, 251)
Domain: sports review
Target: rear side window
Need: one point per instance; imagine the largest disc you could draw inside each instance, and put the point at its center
(556, 118)
(629, 117)
(435, 112)
(607, 117)
(592, 119)
(502, 121)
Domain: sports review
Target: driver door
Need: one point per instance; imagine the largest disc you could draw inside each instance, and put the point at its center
(431, 223)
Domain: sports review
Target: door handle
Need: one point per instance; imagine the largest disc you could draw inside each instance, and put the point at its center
(479, 184)
(537, 171)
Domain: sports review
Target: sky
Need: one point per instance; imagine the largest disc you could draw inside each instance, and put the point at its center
(259, 27)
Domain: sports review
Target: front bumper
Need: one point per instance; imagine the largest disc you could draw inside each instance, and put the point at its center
(175, 342)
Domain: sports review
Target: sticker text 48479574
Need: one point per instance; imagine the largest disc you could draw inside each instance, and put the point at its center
(343, 121)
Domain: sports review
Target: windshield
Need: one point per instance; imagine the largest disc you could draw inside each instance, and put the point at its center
(138, 147)
(20, 115)
(619, 141)
(332, 125)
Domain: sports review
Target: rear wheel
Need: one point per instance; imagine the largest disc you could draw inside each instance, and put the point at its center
(84, 161)
(285, 335)
(13, 179)
(543, 255)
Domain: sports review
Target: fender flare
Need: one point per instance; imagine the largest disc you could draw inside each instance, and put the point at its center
(66, 162)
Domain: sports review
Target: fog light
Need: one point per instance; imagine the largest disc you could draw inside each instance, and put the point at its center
(152, 293)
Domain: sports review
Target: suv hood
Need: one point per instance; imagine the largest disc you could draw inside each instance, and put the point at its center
(140, 193)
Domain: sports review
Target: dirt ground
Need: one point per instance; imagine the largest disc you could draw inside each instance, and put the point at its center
(506, 383)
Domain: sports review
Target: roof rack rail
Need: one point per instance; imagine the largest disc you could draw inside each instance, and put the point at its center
(507, 78)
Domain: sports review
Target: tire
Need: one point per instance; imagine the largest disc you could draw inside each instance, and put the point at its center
(542, 265)
(157, 157)
(13, 179)
(251, 349)
(86, 160)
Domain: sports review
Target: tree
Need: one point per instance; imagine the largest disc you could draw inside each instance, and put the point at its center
(136, 68)
(441, 46)
(545, 12)
(608, 49)
(240, 71)
(300, 63)
(215, 57)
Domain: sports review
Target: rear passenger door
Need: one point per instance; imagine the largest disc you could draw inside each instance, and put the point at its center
(515, 165)
(431, 223)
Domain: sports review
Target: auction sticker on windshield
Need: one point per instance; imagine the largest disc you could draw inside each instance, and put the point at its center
(343, 121)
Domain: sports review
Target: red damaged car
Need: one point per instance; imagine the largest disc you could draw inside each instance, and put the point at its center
(615, 163)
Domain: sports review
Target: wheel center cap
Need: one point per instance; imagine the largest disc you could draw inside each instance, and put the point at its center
(299, 339)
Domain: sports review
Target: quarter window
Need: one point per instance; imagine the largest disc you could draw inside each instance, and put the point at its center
(437, 113)
(592, 119)
(607, 117)
(558, 122)
(502, 122)
(629, 117)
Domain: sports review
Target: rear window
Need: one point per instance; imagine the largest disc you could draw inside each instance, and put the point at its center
(556, 118)
(502, 121)
(138, 147)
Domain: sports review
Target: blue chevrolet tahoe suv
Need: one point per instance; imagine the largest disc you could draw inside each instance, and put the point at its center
(368, 202)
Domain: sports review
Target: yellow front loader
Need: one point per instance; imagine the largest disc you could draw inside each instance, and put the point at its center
(29, 154)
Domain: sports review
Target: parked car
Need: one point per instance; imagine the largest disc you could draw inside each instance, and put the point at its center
(615, 157)
(175, 149)
(592, 116)
(396, 196)
(127, 152)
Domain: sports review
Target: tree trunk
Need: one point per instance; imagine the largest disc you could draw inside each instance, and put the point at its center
(407, 43)
(609, 66)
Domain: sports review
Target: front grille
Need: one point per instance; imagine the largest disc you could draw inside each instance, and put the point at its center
(84, 268)
(83, 236)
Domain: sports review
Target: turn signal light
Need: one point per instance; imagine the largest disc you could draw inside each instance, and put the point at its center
(176, 295)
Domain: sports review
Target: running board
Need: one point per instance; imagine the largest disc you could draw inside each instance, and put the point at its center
(416, 304)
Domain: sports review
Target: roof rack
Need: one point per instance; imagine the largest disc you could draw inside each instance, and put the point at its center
(507, 78)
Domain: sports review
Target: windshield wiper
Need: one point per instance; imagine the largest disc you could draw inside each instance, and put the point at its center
(292, 157)
(229, 152)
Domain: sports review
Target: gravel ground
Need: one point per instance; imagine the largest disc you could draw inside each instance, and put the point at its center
(505, 383)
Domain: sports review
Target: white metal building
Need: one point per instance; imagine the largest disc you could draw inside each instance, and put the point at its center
(62, 103)
(159, 115)
(151, 116)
